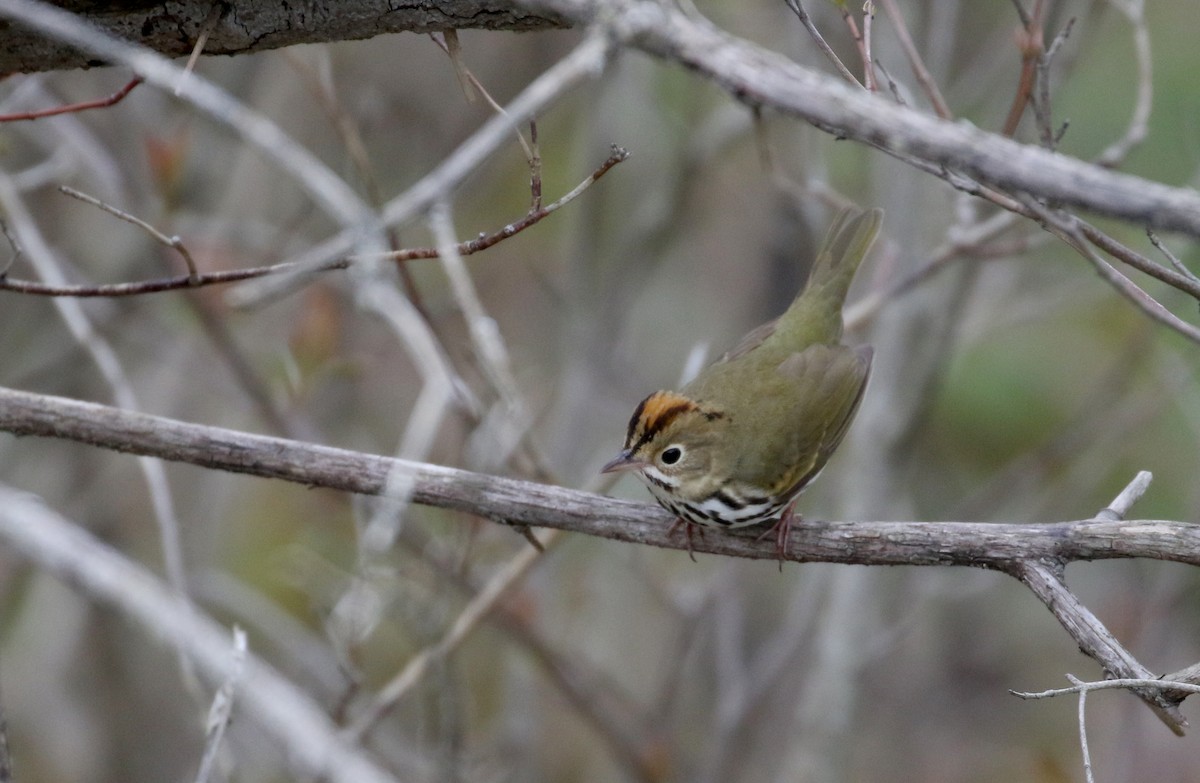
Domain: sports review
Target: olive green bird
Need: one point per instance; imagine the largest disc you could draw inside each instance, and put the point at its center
(737, 445)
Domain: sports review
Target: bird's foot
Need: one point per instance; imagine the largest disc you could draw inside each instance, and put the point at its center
(688, 527)
(782, 531)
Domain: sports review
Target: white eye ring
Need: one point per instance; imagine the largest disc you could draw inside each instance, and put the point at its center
(671, 455)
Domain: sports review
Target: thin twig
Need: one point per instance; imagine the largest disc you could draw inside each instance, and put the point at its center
(1174, 259)
(221, 712)
(1119, 508)
(71, 108)
(206, 27)
(1083, 740)
(1183, 281)
(798, 7)
(869, 80)
(1123, 683)
(1071, 230)
(1042, 105)
(1139, 120)
(13, 244)
(1030, 45)
(924, 78)
(449, 44)
(173, 242)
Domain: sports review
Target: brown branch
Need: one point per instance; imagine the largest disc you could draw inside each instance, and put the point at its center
(924, 78)
(176, 282)
(72, 108)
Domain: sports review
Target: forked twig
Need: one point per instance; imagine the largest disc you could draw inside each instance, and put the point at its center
(173, 242)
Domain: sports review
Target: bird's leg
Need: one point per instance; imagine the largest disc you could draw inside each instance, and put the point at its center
(782, 530)
(688, 527)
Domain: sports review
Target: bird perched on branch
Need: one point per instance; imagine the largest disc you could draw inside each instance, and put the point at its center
(738, 444)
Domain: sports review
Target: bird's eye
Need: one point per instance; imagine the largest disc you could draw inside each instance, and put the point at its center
(671, 456)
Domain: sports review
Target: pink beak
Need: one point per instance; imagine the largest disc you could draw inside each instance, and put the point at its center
(623, 461)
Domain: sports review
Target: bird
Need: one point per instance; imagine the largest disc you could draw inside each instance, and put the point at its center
(738, 444)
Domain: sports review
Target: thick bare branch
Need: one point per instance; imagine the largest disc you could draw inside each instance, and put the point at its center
(242, 28)
(984, 545)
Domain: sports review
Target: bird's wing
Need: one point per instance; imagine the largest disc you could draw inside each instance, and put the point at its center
(833, 379)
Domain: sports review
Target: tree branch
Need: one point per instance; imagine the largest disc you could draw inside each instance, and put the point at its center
(985, 545)
(765, 79)
(243, 28)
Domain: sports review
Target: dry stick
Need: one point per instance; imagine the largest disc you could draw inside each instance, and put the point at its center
(469, 82)
(1167, 683)
(1042, 106)
(210, 23)
(869, 80)
(924, 78)
(1175, 262)
(1083, 740)
(71, 108)
(221, 712)
(1029, 41)
(1139, 121)
(1183, 280)
(286, 714)
(1177, 690)
(798, 7)
(173, 242)
(483, 242)
(863, 54)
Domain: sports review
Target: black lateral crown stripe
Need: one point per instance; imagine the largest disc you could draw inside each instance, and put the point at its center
(633, 422)
(661, 421)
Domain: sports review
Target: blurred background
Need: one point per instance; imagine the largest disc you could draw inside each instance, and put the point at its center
(1011, 384)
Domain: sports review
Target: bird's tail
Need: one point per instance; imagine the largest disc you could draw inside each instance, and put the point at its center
(846, 244)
